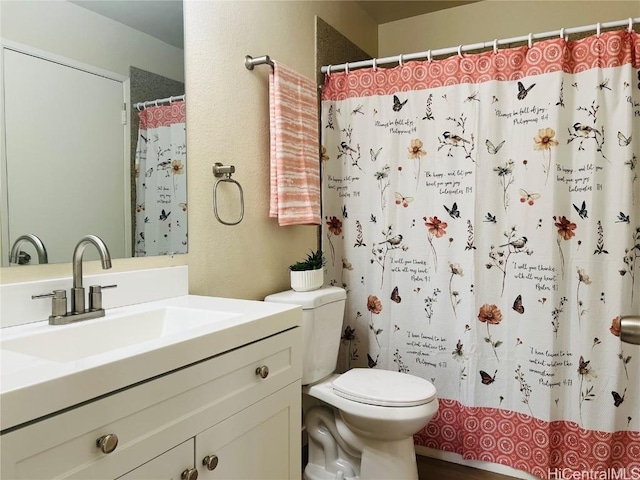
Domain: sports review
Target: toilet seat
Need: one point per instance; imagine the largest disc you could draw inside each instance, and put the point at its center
(383, 388)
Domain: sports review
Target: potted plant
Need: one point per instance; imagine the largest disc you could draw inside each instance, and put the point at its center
(308, 274)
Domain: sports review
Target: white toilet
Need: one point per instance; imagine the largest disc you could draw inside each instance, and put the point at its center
(361, 423)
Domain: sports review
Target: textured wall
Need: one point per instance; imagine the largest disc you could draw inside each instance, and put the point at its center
(227, 115)
(333, 48)
(489, 19)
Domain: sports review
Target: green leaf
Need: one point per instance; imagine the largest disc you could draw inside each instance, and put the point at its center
(314, 261)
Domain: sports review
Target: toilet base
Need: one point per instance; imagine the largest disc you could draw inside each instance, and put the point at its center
(380, 461)
(389, 460)
(316, 472)
(368, 459)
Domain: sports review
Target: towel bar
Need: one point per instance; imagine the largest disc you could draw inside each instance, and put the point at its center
(223, 174)
(251, 62)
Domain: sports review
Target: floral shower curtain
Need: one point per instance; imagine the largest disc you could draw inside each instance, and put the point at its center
(483, 214)
(161, 183)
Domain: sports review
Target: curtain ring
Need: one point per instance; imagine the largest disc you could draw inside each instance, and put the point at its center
(460, 51)
(375, 65)
(495, 46)
(630, 24)
(530, 40)
(346, 68)
(170, 100)
(400, 59)
(156, 102)
(328, 70)
(429, 59)
(598, 29)
(562, 33)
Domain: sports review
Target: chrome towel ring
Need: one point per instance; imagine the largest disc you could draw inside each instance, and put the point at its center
(223, 174)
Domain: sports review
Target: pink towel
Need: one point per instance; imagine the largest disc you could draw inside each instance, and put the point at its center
(295, 158)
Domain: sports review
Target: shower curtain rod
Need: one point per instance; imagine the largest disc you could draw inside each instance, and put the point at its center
(429, 54)
(154, 103)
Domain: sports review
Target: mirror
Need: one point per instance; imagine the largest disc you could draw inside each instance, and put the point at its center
(77, 156)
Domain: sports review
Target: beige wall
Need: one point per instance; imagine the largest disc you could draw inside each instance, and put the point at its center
(227, 114)
(489, 19)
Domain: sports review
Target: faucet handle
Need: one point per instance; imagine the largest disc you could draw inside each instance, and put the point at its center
(58, 302)
(97, 288)
(95, 296)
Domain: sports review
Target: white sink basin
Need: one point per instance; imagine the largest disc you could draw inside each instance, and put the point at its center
(94, 337)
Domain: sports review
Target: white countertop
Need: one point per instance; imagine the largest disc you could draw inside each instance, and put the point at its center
(31, 387)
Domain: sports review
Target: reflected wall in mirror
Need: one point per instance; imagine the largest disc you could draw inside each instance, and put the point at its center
(78, 157)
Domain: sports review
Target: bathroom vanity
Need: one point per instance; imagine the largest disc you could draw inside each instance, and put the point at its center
(202, 388)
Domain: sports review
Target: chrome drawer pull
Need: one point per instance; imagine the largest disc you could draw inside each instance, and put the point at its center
(263, 371)
(107, 443)
(189, 474)
(210, 461)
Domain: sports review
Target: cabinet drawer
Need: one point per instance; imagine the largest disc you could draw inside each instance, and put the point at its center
(152, 417)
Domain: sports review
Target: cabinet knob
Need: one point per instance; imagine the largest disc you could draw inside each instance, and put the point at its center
(210, 461)
(263, 371)
(107, 443)
(189, 474)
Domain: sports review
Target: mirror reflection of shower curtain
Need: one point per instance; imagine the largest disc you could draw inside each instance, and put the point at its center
(161, 184)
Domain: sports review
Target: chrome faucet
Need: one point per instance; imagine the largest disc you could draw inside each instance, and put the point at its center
(15, 255)
(77, 292)
(59, 314)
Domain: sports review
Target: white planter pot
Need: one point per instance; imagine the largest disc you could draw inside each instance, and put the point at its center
(307, 280)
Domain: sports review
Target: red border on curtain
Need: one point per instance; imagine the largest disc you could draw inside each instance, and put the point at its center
(162, 115)
(610, 49)
(524, 442)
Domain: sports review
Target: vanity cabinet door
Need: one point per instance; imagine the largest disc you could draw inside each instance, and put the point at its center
(259, 442)
(168, 466)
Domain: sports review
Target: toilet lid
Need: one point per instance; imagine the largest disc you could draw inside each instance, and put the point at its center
(383, 388)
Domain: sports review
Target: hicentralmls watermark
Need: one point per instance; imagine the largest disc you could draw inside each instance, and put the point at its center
(632, 473)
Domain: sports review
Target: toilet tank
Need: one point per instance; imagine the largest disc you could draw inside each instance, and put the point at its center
(322, 315)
